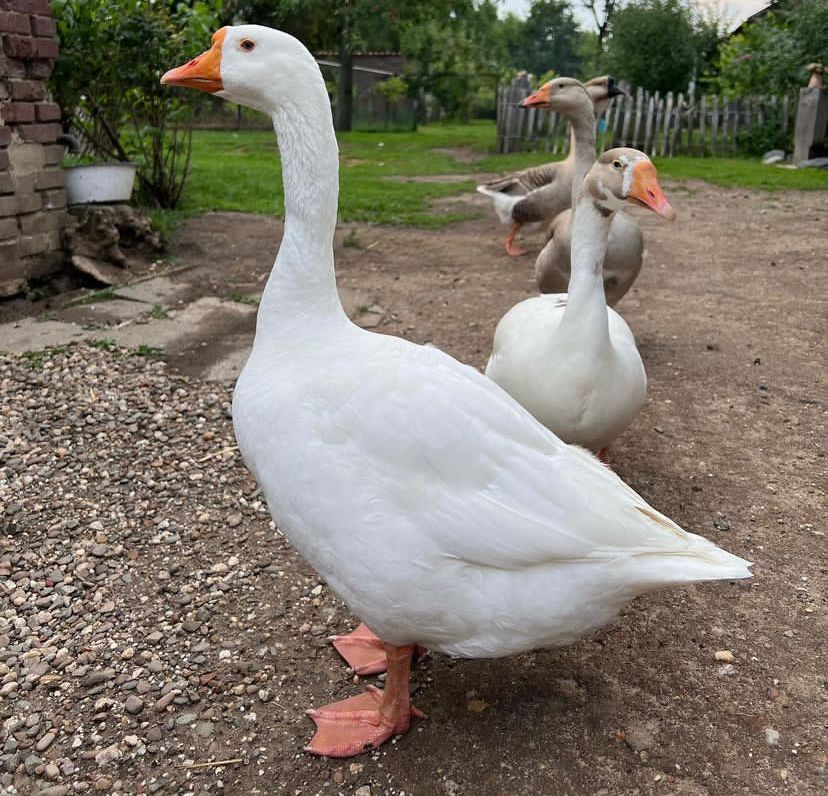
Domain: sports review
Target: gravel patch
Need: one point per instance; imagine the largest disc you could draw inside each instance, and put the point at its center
(137, 571)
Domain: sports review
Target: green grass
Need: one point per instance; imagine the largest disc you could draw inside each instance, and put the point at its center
(103, 343)
(148, 351)
(240, 171)
(159, 313)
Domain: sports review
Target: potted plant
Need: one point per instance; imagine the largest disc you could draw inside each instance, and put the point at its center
(106, 80)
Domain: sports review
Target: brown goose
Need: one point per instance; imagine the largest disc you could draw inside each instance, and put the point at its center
(536, 195)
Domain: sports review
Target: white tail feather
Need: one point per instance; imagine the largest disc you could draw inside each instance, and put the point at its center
(503, 203)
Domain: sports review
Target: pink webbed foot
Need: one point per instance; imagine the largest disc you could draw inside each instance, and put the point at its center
(362, 723)
(604, 456)
(364, 652)
(356, 725)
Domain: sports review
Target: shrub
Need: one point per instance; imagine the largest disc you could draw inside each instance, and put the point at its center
(106, 80)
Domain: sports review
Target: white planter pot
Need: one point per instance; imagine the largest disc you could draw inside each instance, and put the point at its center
(99, 183)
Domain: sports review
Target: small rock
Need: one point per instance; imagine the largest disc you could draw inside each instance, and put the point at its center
(31, 763)
(131, 740)
(100, 676)
(54, 790)
(102, 784)
(185, 718)
(639, 738)
(52, 771)
(363, 790)
(726, 670)
(154, 734)
(134, 704)
(771, 736)
(108, 755)
(726, 656)
(204, 729)
(46, 741)
(154, 637)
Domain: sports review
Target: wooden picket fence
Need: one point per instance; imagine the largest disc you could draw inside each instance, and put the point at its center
(660, 125)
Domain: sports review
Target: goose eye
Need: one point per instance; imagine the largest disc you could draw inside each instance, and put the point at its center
(247, 45)
(617, 164)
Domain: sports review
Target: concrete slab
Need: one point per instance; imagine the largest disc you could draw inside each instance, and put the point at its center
(161, 290)
(30, 334)
(112, 311)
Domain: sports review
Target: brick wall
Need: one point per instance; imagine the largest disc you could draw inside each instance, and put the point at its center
(32, 199)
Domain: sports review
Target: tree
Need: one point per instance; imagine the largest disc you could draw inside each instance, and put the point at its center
(768, 56)
(655, 44)
(548, 39)
(602, 12)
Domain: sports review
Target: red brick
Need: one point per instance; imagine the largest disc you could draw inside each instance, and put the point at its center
(52, 155)
(29, 202)
(46, 48)
(26, 6)
(43, 26)
(53, 200)
(5, 136)
(39, 70)
(9, 67)
(43, 133)
(37, 244)
(8, 206)
(28, 89)
(47, 111)
(22, 47)
(13, 22)
(16, 112)
(8, 228)
(49, 178)
(42, 222)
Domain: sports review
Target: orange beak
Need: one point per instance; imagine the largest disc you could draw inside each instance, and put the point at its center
(203, 72)
(647, 192)
(540, 99)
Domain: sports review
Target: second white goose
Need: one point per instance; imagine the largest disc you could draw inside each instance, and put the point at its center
(568, 358)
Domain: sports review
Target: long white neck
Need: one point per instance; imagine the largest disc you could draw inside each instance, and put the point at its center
(586, 306)
(303, 281)
(581, 146)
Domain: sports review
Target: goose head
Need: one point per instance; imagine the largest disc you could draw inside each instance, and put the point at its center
(625, 176)
(251, 65)
(561, 94)
(602, 89)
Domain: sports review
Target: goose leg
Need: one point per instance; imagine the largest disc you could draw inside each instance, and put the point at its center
(511, 247)
(604, 456)
(362, 723)
(364, 652)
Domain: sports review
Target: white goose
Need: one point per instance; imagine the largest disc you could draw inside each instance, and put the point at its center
(437, 507)
(567, 357)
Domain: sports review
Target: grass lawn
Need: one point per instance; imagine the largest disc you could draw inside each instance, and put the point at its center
(238, 171)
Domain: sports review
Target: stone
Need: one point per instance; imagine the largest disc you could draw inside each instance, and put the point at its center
(108, 755)
(771, 736)
(639, 738)
(46, 741)
(773, 156)
(134, 704)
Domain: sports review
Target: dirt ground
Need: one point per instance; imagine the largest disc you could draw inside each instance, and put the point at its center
(730, 315)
